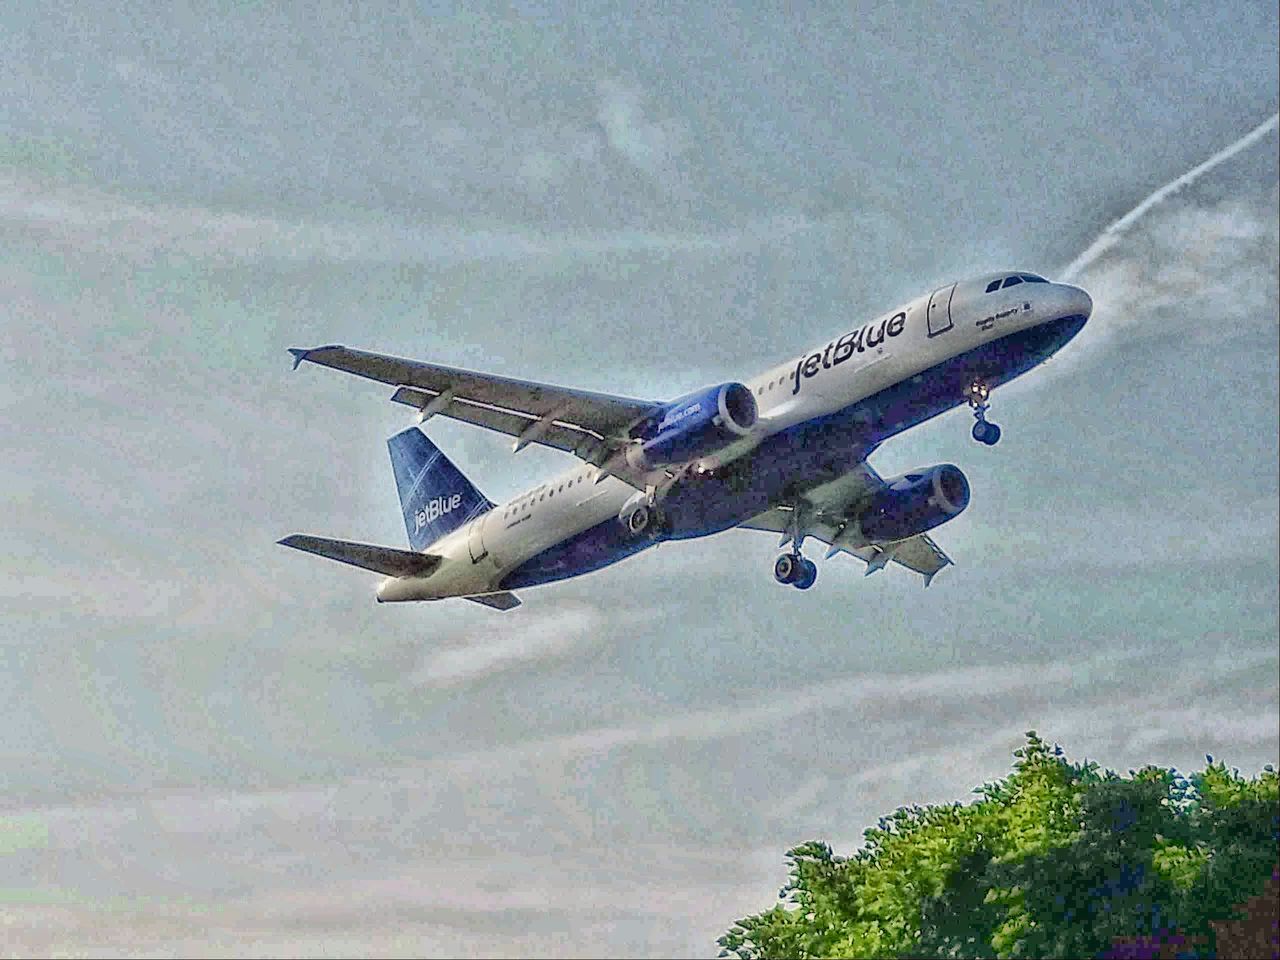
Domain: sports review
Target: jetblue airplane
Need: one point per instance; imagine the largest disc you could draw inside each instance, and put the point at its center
(785, 451)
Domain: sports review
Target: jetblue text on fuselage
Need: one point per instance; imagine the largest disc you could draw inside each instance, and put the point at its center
(436, 507)
(838, 351)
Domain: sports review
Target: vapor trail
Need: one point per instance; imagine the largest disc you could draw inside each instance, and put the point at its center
(1108, 238)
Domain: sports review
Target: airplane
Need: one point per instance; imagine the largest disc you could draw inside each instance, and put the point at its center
(784, 451)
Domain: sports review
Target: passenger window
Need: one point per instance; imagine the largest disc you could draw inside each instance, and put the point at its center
(1012, 282)
(993, 286)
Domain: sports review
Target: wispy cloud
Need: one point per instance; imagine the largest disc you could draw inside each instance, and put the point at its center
(646, 143)
(1198, 271)
(538, 636)
(1113, 234)
(86, 218)
(861, 692)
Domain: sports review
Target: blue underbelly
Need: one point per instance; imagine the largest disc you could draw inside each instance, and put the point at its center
(802, 456)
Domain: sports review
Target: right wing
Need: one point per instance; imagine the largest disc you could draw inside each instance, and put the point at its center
(385, 560)
(826, 512)
(588, 425)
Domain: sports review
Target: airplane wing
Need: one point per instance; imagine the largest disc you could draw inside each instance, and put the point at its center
(588, 425)
(825, 512)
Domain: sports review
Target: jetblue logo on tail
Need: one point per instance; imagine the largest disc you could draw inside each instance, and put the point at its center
(435, 498)
(435, 508)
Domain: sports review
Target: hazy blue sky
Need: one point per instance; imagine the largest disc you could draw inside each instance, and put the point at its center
(210, 745)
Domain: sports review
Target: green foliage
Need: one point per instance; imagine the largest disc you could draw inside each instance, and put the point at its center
(1055, 860)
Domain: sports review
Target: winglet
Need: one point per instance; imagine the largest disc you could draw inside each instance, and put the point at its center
(300, 355)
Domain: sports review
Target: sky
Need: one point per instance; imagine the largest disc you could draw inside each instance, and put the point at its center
(210, 745)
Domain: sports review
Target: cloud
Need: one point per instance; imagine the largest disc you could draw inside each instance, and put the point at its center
(539, 636)
(648, 145)
(375, 864)
(860, 692)
(1115, 232)
(1197, 271)
(89, 219)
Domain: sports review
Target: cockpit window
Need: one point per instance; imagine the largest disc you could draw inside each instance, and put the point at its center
(1001, 282)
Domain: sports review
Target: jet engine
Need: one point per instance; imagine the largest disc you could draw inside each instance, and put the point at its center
(915, 502)
(694, 426)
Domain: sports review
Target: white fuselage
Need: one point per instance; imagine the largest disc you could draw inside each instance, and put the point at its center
(834, 375)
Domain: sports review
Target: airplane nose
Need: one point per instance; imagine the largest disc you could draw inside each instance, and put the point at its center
(1082, 303)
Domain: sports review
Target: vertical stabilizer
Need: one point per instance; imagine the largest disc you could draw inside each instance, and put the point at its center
(434, 495)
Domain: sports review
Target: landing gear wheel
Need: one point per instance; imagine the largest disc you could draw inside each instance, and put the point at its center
(788, 567)
(983, 430)
(638, 521)
(808, 574)
(986, 432)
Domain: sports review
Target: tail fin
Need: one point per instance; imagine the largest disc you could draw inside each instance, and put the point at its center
(434, 495)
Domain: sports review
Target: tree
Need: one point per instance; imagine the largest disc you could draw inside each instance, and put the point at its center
(1058, 859)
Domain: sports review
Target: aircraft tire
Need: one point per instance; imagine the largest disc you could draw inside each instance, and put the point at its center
(786, 569)
(638, 520)
(808, 574)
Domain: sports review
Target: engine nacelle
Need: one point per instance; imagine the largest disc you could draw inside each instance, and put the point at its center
(694, 426)
(915, 502)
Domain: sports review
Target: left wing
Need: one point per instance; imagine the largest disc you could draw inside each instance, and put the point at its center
(825, 513)
(588, 425)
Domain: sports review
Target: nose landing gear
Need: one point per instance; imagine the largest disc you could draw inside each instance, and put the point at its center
(796, 570)
(984, 431)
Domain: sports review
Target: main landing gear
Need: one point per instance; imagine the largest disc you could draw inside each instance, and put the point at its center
(984, 431)
(796, 570)
(792, 567)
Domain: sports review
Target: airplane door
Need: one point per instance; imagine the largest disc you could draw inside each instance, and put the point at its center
(940, 310)
(475, 538)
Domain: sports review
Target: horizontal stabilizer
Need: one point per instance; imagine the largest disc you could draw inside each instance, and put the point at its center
(385, 560)
(499, 601)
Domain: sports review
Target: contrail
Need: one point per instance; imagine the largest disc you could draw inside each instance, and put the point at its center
(1108, 238)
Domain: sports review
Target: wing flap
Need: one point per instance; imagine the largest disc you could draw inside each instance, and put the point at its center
(559, 434)
(385, 560)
